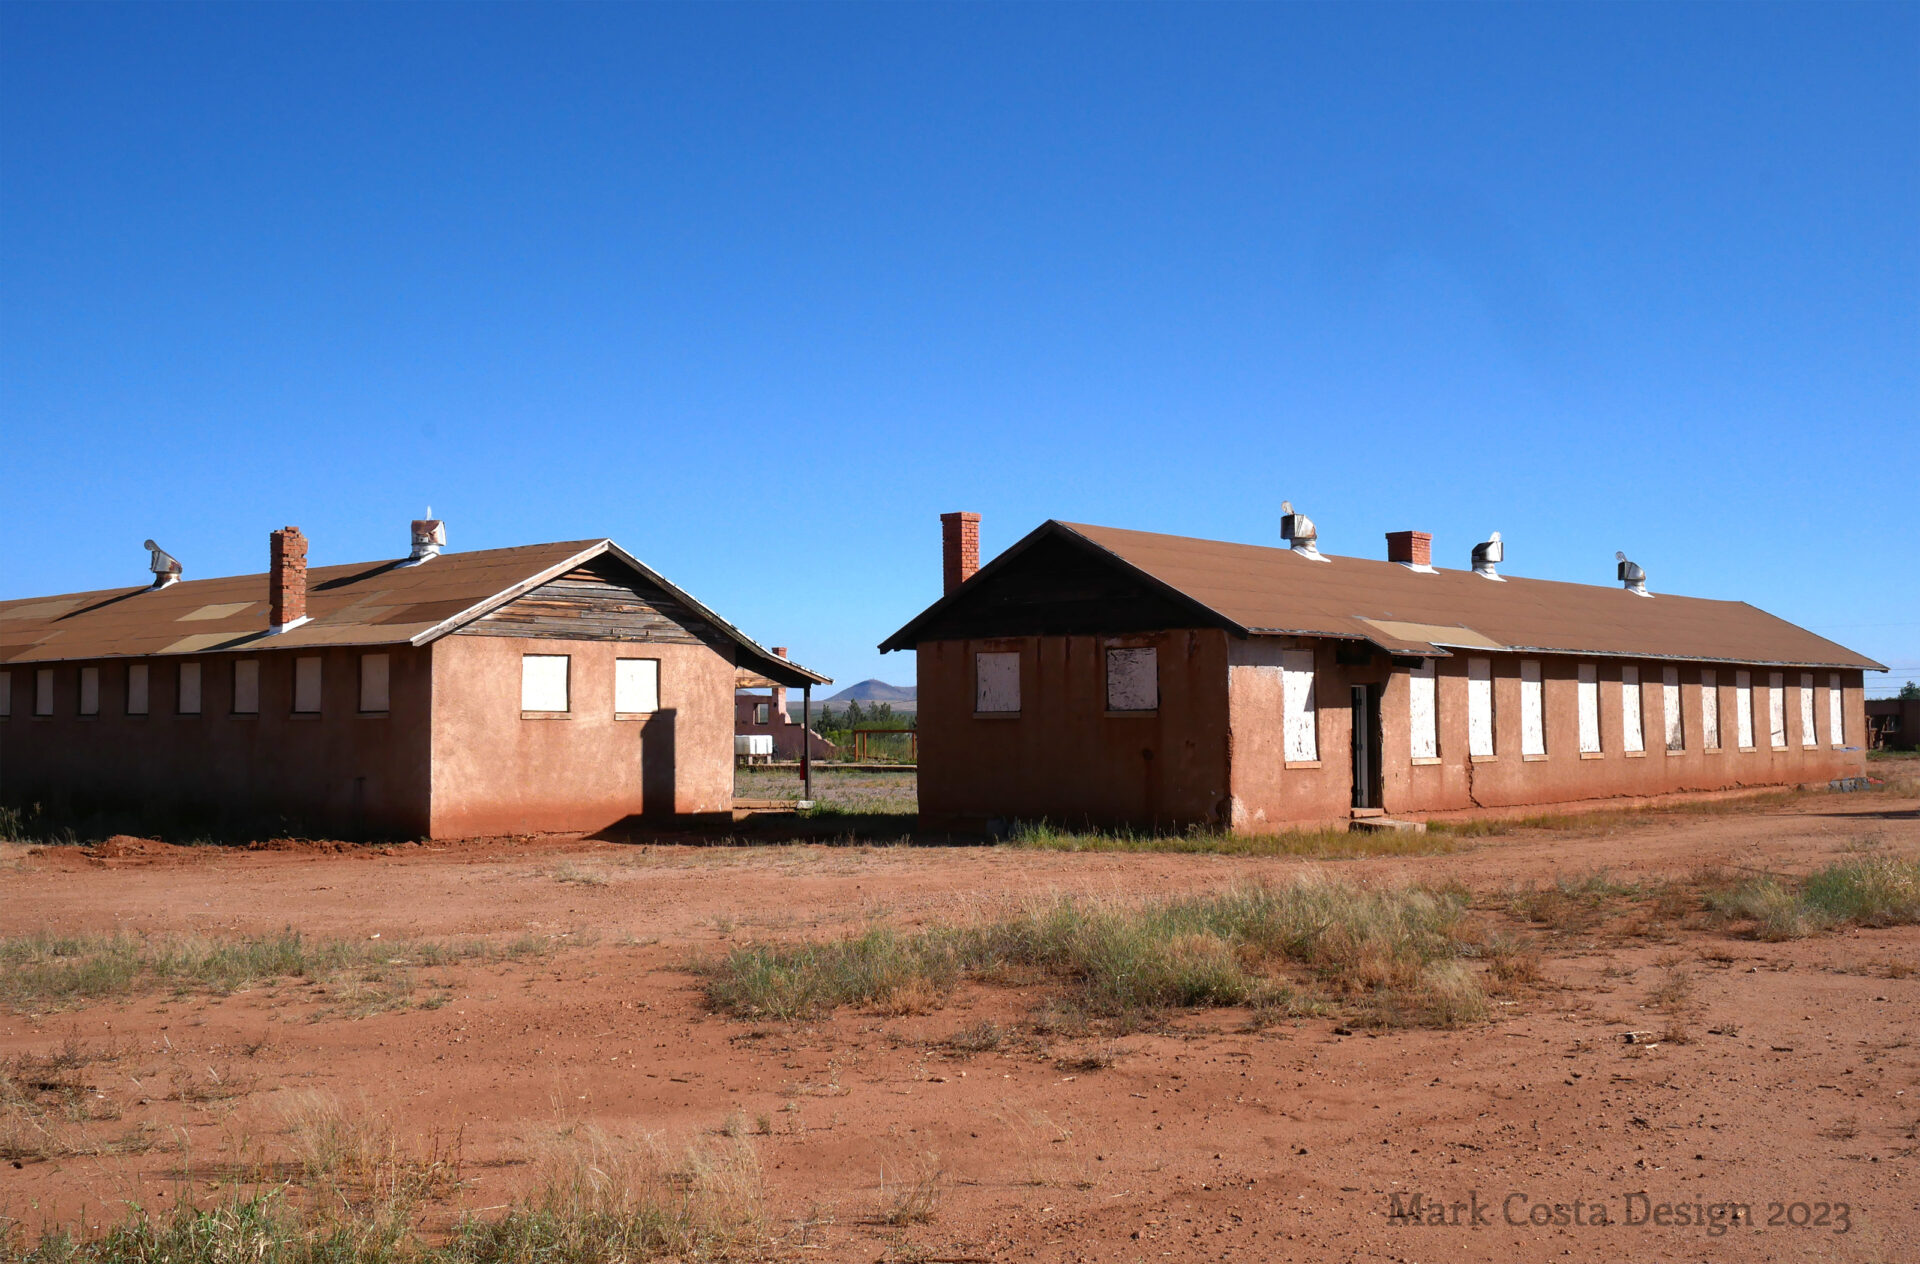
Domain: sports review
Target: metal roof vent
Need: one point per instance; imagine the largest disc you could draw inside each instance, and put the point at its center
(429, 537)
(165, 566)
(1632, 575)
(1486, 555)
(1299, 532)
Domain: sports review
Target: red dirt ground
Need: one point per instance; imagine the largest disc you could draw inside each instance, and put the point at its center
(1204, 1141)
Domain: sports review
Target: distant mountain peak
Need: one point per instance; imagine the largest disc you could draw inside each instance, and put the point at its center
(874, 691)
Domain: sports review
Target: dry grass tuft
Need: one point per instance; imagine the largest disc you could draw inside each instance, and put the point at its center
(1126, 964)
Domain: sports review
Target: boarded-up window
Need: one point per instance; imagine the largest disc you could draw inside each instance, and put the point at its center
(543, 682)
(1300, 704)
(762, 712)
(1807, 735)
(376, 682)
(43, 691)
(996, 684)
(1836, 726)
(636, 686)
(1670, 708)
(137, 689)
(89, 691)
(1632, 736)
(1533, 710)
(1777, 709)
(1589, 709)
(1133, 680)
(1422, 714)
(1710, 709)
(1480, 706)
(306, 685)
(246, 687)
(1743, 707)
(6, 694)
(187, 701)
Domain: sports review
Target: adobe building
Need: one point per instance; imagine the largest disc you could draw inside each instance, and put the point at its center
(1094, 676)
(550, 687)
(766, 714)
(1893, 723)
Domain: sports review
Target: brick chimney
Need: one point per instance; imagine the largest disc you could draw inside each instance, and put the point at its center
(1411, 548)
(777, 714)
(959, 547)
(287, 577)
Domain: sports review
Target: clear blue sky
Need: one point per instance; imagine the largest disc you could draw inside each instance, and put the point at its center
(759, 291)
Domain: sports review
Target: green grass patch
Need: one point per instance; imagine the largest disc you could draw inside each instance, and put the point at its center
(48, 971)
(1866, 891)
(1394, 953)
(1327, 844)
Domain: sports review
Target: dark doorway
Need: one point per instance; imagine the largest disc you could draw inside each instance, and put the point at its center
(1366, 746)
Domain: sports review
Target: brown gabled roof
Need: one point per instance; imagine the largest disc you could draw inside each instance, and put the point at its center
(1260, 591)
(363, 603)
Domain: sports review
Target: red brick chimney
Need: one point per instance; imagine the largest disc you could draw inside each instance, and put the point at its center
(959, 547)
(287, 576)
(778, 712)
(1410, 548)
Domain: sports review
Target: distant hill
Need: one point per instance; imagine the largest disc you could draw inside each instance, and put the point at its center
(900, 696)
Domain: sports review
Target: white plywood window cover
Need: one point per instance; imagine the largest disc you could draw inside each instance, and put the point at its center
(1533, 710)
(1423, 711)
(996, 683)
(1777, 708)
(1133, 680)
(1633, 736)
(543, 682)
(1807, 736)
(1670, 708)
(89, 691)
(1710, 709)
(636, 686)
(43, 691)
(1589, 709)
(137, 690)
(189, 700)
(6, 693)
(1743, 707)
(1479, 706)
(1300, 704)
(246, 686)
(376, 682)
(306, 684)
(1836, 726)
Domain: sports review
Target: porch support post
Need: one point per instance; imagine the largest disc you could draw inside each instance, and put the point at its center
(806, 741)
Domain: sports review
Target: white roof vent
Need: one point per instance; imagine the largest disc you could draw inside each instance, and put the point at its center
(165, 566)
(1632, 576)
(1299, 532)
(1486, 555)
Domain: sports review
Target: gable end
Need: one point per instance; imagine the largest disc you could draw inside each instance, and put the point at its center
(600, 601)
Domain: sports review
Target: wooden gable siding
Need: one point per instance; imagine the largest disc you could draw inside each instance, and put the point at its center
(598, 602)
(1060, 587)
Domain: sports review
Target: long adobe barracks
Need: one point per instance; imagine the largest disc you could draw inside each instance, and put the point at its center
(550, 687)
(1120, 678)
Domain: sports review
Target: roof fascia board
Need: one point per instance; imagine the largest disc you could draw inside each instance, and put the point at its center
(759, 651)
(488, 605)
